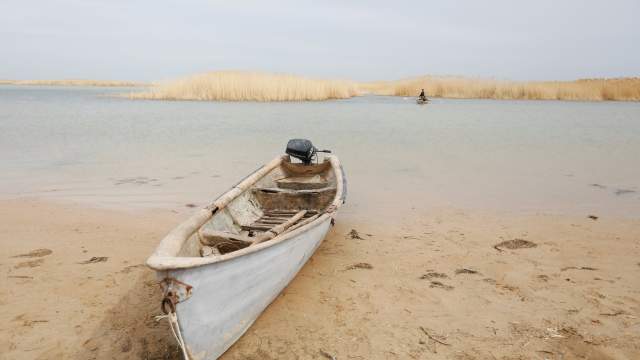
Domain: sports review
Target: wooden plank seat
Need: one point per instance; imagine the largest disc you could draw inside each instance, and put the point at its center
(277, 190)
(272, 218)
(270, 225)
(302, 182)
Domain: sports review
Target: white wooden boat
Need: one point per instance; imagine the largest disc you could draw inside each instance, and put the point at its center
(224, 265)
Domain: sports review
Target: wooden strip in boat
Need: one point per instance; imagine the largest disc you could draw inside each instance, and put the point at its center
(278, 219)
(287, 212)
(283, 218)
(278, 229)
(264, 224)
(275, 190)
(259, 222)
(256, 227)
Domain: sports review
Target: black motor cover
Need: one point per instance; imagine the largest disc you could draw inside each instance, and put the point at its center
(301, 149)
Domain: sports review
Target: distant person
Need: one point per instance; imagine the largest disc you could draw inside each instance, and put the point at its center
(422, 96)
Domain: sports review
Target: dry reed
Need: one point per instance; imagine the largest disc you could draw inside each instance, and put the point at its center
(249, 86)
(255, 86)
(622, 89)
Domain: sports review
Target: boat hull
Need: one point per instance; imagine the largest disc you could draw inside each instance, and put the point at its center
(228, 296)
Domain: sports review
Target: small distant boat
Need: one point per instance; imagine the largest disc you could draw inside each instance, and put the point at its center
(420, 101)
(223, 266)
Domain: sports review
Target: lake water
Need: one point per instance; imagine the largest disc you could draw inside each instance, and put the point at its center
(83, 144)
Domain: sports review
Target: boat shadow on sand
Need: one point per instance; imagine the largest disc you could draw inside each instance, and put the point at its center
(129, 328)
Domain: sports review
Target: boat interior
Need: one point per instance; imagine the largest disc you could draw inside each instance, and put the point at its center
(291, 195)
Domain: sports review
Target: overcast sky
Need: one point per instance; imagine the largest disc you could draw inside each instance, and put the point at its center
(360, 40)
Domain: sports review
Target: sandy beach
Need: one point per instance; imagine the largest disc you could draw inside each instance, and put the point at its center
(330, 181)
(427, 284)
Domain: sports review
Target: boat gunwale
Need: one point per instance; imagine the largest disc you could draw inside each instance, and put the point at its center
(164, 263)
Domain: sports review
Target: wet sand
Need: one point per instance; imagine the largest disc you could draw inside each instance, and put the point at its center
(427, 284)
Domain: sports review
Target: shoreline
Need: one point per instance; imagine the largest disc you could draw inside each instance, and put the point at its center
(75, 82)
(276, 87)
(363, 94)
(434, 272)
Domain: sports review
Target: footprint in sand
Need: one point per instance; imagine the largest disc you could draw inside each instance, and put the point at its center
(29, 264)
(432, 274)
(93, 260)
(515, 244)
(543, 278)
(359, 266)
(467, 271)
(434, 283)
(438, 284)
(37, 253)
(34, 253)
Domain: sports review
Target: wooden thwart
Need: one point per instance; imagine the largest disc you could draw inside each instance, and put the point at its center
(257, 227)
(275, 217)
(278, 229)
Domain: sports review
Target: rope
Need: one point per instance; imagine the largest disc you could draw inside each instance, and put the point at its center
(175, 330)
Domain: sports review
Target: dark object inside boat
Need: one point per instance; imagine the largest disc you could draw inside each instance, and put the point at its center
(303, 150)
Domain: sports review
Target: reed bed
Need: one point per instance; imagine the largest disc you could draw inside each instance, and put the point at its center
(622, 89)
(73, 82)
(256, 86)
(249, 86)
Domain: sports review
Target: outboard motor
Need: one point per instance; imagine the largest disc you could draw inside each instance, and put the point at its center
(303, 150)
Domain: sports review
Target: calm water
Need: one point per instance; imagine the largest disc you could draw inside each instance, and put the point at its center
(84, 145)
